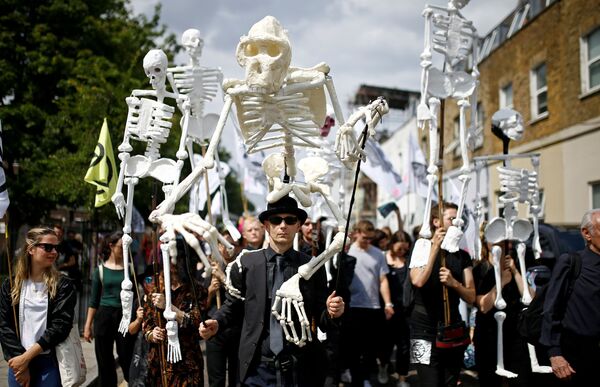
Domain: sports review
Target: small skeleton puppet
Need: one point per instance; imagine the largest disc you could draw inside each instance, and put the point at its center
(450, 34)
(148, 120)
(281, 107)
(201, 85)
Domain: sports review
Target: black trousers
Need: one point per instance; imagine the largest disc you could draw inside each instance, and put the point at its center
(364, 331)
(106, 334)
(222, 358)
(583, 354)
(396, 333)
(443, 369)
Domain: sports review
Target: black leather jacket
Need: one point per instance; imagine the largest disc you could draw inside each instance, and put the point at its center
(61, 310)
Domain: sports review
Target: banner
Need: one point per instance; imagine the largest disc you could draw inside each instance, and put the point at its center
(379, 169)
(102, 171)
(414, 173)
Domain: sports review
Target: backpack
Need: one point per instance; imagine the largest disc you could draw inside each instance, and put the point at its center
(529, 324)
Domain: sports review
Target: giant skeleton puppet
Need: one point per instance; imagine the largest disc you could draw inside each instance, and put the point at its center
(201, 85)
(148, 120)
(450, 34)
(517, 186)
(278, 107)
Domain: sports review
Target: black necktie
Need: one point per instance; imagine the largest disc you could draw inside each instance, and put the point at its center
(275, 330)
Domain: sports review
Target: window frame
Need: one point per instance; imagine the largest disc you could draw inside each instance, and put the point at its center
(536, 91)
(502, 102)
(586, 63)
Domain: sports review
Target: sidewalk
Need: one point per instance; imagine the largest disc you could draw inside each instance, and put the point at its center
(90, 361)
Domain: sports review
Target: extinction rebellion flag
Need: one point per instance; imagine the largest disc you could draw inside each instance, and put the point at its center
(102, 171)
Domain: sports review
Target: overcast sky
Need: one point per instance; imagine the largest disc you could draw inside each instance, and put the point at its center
(364, 41)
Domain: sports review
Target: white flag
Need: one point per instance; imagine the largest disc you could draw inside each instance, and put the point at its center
(379, 169)
(4, 201)
(414, 173)
(215, 206)
(213, 182)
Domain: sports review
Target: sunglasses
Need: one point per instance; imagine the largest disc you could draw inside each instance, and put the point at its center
(48, 247)
(289, 220)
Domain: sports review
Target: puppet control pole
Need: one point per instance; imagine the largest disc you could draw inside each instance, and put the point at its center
(210, 217)
(365, 134)
(441, 206)
(161, 346)
(10, 277)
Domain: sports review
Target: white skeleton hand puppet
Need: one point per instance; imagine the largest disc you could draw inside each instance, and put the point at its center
(149, 121)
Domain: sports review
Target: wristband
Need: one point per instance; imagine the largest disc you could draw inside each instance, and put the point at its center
(389, 305)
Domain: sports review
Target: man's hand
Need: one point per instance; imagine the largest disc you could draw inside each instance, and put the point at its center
(19, 364)
(208, 329)
(561, 367)
(389, 311)
(23, 378)
(139, 313)
(158, 334)
(335, 305)
(447, 279)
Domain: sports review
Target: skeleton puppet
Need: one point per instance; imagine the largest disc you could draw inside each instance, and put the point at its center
(148, 120)
(450, 34)
(280, 107)
(518, 186)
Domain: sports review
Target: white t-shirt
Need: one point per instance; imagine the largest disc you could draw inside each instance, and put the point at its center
(370, 267)
(33, 312)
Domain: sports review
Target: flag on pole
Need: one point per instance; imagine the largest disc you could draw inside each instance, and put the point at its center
(4, 201)
(379, 169)
(102, 171)
(414, 173)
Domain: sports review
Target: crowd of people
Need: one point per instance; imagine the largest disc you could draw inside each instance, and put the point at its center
(370, 302)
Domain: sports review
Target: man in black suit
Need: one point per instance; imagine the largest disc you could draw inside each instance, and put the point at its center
(265, 357)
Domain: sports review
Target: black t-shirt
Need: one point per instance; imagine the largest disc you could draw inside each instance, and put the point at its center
(485, 323)
(396, 277)
(429, 302)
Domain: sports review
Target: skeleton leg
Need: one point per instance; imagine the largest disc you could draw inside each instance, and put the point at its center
(126, 284)
(173, 349)
(535, 365)
(499, 303)
(526, 299)
(500, 316)
(455, 233)
(423, 112)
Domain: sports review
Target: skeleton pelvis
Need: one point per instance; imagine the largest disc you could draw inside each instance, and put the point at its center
(456, 85)
(163, 170)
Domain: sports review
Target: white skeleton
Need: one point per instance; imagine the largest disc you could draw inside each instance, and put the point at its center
(282, 107)
(148, 120)
(450, 34)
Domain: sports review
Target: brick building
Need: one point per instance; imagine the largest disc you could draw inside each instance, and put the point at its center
(543, 60)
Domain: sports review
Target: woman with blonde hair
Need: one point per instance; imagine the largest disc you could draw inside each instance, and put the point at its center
(36, 312)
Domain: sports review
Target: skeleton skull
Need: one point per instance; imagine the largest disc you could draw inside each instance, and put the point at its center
(266, 55)
(155, 67)
(510, 122)
(192, 42)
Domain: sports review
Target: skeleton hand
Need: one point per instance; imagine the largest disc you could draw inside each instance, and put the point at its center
(174, 349)
(346, 146)
(126, 304)
(289, 299)
(119, 201)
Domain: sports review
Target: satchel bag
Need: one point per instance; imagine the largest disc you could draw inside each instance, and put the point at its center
(71, 362)
(452, 335)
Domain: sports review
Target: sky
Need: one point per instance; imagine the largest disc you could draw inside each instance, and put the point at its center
(363, 41)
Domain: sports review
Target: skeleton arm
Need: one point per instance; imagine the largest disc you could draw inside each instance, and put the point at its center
(423, 113)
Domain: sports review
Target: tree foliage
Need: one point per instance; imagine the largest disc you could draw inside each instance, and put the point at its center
(65, 65)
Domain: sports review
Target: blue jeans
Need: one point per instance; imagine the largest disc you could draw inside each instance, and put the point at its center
(43, 371)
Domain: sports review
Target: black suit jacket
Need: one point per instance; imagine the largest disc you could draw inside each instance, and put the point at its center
(251, 312)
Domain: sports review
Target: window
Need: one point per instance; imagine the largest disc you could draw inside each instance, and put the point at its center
(477, 141)
(595, 188)
(506, 96)
(590, 61)
(539, 92)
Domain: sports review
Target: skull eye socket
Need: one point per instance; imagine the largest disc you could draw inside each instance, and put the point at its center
(250, 50)
(273, 49)
(157, 70)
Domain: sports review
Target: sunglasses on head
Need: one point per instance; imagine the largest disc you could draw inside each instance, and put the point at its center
(48, 247)
(289, 220)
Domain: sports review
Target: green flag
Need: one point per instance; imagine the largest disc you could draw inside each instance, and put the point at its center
(102, 171)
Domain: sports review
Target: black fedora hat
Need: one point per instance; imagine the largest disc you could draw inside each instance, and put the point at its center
(285, 205)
